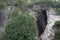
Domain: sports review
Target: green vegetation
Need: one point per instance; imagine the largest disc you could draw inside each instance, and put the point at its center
(20, 3)
(23, 4)
(49, 3)
(58, 11)
(57, 24)
(57, 34)
(57, 30)
(29, 5)
(2, 5)
(14, 13)
(21, 28)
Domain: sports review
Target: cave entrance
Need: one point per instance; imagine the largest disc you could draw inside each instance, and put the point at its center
(41, 21)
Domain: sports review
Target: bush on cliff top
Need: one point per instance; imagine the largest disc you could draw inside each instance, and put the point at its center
(21, 28)
(2, 5)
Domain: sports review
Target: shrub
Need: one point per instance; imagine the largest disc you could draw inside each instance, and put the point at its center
(29, 5)
(2, 5)
(57, 24)
(21, 28)
(57, 34)
(58, 11)
(57, 30)
(19, 2)
(14, 13)
(57, 5)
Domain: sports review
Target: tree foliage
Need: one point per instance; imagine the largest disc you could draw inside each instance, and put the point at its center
(57, 34)
(21, 28)
(20, 2)
(49, 3)
(57, 24)
(29, 5)
(58, 11)
(57, 30)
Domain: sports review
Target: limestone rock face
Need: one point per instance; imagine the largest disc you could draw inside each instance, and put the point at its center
(49, 31)
(1, 17)
(4, 14)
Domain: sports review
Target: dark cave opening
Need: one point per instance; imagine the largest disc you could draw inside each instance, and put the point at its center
(41, 21)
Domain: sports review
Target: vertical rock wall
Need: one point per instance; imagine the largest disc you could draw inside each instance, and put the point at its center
(4, 14)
